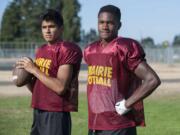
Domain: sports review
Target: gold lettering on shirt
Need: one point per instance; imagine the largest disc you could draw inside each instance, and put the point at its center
(44, 65)
(100, 75)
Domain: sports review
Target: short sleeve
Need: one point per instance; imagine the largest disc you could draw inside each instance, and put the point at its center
(70, 55)
(84, 56)
(135, 55)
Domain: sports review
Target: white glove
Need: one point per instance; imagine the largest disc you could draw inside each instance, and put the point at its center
(121, 108)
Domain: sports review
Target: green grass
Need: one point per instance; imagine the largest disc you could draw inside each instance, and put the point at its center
(15, 116)
(162, 116)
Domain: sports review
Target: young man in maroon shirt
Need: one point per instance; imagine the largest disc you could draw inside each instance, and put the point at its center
(119, 78)
(56, 68)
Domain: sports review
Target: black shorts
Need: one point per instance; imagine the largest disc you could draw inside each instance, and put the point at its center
(51, 123)
(124, 131)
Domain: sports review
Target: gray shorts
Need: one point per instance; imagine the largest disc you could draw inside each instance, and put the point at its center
(51, 123)
(124, 131)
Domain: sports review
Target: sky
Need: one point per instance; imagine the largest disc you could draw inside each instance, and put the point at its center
(158, 19)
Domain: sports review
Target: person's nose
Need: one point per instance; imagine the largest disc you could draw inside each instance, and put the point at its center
(105, 26)
(48, 30)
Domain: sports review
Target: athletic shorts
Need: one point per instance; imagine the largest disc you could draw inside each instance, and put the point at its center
(124, 131)
(51, 123)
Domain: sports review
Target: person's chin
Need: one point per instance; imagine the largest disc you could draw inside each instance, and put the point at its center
(106, 37)
(50, 41)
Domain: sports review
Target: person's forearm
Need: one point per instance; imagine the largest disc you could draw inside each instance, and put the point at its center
(142, 92)
(54, 84)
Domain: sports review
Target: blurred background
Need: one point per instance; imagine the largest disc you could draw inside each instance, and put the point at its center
(155, 24)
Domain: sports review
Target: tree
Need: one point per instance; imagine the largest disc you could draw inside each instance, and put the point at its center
(10, 26)
(176, 41)
(147, 42)
(165, 44)
(71, 19)
(21, 19)
(91, 36)
(88, 37)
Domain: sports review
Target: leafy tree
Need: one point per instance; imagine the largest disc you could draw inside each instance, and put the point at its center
(176, 41)
(88, 37)
(10, 26)
(20, 21)
(71, 20)
(147, 42)
(165, 44)
(91, 36)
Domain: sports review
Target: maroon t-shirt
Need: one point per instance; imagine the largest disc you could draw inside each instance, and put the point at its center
(111, 78)
(48, 59)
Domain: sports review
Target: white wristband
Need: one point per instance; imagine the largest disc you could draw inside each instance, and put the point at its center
(121, 108)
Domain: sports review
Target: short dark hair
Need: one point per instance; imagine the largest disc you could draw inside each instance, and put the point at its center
(52, 15)
(111, 9)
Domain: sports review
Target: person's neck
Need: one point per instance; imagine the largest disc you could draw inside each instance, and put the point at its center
(104, 42)
(53, 42)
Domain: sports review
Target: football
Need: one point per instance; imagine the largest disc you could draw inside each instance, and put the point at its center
(20, 76)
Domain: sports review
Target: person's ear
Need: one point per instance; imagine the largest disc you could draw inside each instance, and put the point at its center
(119, 26)
(61, 28)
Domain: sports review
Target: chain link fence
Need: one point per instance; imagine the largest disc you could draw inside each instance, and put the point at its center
(168, 55)
(10, 51)
(17, 49)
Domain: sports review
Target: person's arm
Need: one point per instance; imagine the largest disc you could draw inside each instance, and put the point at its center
(150, 82)
(58, 84)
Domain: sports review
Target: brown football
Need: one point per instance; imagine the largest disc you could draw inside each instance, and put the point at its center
(20, 76)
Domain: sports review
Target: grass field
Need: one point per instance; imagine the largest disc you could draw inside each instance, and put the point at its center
(162, 116)
(161, 108)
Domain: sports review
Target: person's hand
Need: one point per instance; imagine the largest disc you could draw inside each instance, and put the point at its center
(26, 63)
(121, 108)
